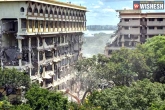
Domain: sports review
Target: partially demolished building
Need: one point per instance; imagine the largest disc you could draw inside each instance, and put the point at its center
(42, 37)
(134, 28)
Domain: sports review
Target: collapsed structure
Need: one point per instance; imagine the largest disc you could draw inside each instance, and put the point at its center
(135, 27)
(42, 38)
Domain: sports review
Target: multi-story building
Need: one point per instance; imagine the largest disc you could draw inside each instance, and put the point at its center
(42, 38)
(135, 27)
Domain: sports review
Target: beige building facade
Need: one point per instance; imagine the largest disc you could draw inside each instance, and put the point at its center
(42, 38)
(135, 27)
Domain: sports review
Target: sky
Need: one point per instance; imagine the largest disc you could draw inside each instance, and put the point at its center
(102, 12)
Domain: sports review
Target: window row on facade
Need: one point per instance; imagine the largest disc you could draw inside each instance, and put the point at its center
(37, 9)
(51, 26)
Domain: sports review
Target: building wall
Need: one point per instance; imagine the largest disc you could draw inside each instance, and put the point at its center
(48, 39)
(135, 28)
(12, 9)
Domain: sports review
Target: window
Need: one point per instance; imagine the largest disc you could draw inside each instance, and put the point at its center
(126, 20)
(35, 10)
(46, 11)
(126, 28)
(151, 27)
(22, 9)
(51, 12)
(55, 12)
(135, 18)
(151, 19)
(135, 27)
(160, 27)
(159, 19)
(51, 24)
(36, 24)
(23, 23)
(46, 24)
(62, 39)
(29, 9)
(126, 36)
(41, 24)
(41, 11)
(30, 23)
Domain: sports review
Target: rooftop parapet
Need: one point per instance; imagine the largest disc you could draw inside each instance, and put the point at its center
(129, 11)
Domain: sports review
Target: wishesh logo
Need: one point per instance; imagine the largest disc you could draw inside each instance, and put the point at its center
(148, 5)
(136, 6)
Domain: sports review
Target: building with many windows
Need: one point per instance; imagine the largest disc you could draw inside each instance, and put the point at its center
(42, 38)
(135, 27)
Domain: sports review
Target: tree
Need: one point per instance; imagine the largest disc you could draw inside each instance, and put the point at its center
(141, 95)
(21, 107)
(12, 80)
(43, 99)
(90, 73)
(154, 51)
(127, 65)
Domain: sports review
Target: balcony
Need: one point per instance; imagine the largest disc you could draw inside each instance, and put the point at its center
(35, 14)
(155, 23)
(29, 13)
(56, 59)
(41, 14)
(30, 30)
(40, 48)
(51, 15)
(46, 15)
(48, 74)
(155, 31)
(63, 17)
(51, 30)
(130, 23)
(59, 16)
(48, 47)
(64, 79)
(63, 44)
(41, 30)
(130, 31)
(67, 17)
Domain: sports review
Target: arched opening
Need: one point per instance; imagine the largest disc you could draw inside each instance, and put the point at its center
(59, 13)
(51, 12)
(63, 13)
(55, 12)
(30, 9)
(46, 11)
(41, 11)
(22, 9)
(35, 10)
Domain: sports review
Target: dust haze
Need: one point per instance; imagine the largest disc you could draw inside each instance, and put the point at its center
(95, 45)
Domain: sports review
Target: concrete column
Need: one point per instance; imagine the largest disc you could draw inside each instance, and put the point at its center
(20, 48)
(30, 62)
(44, 80)
(38, 56)
(53, 69)
(19, 25)
(27, 25)
(122, 44)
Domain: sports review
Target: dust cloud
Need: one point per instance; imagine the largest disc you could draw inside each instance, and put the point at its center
(95, 45)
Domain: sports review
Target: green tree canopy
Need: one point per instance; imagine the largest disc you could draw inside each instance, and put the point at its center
(141, 95)
(43, 99)
(154, 51)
